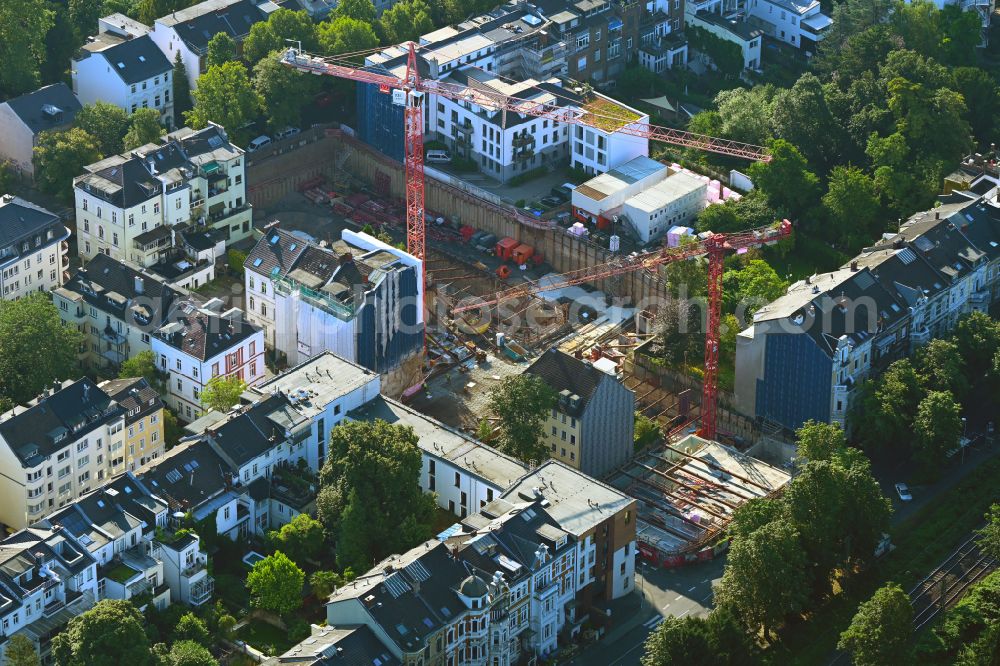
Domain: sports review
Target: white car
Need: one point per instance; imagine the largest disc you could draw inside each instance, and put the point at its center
(904, 492)
(287, 133)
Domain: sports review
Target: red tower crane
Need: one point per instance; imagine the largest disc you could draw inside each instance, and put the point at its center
(411, 89)
(715, 246)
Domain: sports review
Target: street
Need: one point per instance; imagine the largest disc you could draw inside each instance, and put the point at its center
(659, 593)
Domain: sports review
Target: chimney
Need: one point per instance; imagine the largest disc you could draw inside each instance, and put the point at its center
(937, 215)
(808, 279)
(140, 285)
(272, 225)
(854, 266)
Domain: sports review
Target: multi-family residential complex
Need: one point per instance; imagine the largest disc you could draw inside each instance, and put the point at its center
(188, 31)
(24, 118)
(359, 298)
(735, 30)
(591, 427)
(521, 51)
(806, 353)
(187, 177)
(506, 583)
(122, 66)
(59, 446)
(117, 306)
(143, 419)
(800, 23)
(33, 248)
(201, 342)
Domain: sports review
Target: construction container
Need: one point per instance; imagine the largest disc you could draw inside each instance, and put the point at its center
(674, 235)
(505, 248)
(503, 272)
(522, 253)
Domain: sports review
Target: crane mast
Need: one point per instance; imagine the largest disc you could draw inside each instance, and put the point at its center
(414, 88)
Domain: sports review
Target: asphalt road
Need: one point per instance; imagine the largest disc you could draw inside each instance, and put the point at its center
(659, 593)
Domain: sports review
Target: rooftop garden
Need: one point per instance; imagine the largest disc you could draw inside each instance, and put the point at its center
(607, 115)
(120, 573)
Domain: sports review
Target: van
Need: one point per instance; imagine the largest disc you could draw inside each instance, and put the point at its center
(258, 143)
(437, 156)
(286, 133)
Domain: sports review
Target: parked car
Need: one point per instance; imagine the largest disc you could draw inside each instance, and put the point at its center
(564, 191)
(552, 201)
(437, 156)
(258, 143)
(286, 133)
(904, 492)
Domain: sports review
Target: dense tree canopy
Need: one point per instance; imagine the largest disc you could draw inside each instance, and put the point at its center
(144, 127)
(222, 393)
(225, 96)
(275, 584)
(345, 34)
(23, 27)
(301, 538)
(521, 404)
(105, 122)
(937, 426)
(221, 49)
(880, 631)
(60, 157)
(142, 364)
(717, 640)
(20, 651)
(271, 35)
(406, 21)
(109, 634)
(283, 91)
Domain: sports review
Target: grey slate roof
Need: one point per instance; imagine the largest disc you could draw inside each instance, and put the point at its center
(136, 60)
(198, 24)
(337, 646)
(204, 334)
(47, 108)
(188, 475)
(564, 372)
(257, 428)
(134, 395)
(50, 423)
(21, 221)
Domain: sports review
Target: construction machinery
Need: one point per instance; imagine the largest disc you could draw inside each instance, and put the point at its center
(715, 246)
(410, 91)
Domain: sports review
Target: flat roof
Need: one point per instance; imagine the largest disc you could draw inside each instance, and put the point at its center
(666, 191)
(327, 377)
(602, 186)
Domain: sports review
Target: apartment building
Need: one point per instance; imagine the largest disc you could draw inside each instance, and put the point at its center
(118, 307)
(800, 23)
(46, 579)
(591, 427)
(34, 248)
(807, 352)
(327, 644)
(122, 66)
(23, 119)
(359, 298)
(201, 342)
(505, 585)
(187, 177)
(735, 30)
(144, 441)
(189, 30)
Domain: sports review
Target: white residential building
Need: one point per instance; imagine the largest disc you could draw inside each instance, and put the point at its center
(189, 176)
(602, 197)
(673, 201)
(34, 248)
(735, 30)
(24, 118)
(122, 66)
(188, 31)
(47, 578)
(800, 23)
(56, 448)
(360, 298)
(202, 342)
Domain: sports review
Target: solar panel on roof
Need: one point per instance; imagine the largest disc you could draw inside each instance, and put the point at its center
(907, 256)
(173, 476)
(396, 585)
(864, 280)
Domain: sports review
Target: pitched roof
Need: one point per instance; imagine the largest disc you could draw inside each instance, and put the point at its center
(198, 24)
(188, 475)
(21, 220)
(121, 180)
(136, 60)
(337, 646)
(203, 333)
(50, 107)
(51, 422)
(277, 249)
(563, 372)
(134, 395)
(255, 429)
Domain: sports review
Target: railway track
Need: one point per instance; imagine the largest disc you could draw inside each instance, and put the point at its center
(946, 585)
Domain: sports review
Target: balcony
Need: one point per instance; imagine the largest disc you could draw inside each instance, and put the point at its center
(114, 337)
(199, 565)
(224, 213)
(202, 591)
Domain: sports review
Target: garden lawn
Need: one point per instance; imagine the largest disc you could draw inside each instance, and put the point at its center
(265, 637)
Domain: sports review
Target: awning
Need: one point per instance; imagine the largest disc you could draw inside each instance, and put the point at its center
(661, 103)
(210, 168)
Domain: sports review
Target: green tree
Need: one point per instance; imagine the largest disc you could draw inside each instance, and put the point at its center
(370, 499)
(766, 577)
(978, 338)
(225, 96)
(989, 536)
(982, 99)
(345, 34)
(222, 393)
(853, 207)
(221, 49)
(754, 514)
(105, 122)
(61, 156)
(275, 584)
(35, 347)
(678, 641)
(189, 653)
(190, 627)
(324, 582)
(888, 421)
(646, 430)
(172, 431)
(727, 56)
(283, 24)
(820, 441)
(83, 16)
(786, 180)
(881, 629)
(359, 10)
(850, 18)
(23, 27)
(284, 91)
(745, 114)
(748, 289)
(406, 21)
(21, 651)
(144, 127)
(226, 625)
(522, 403)
(984, 651)
(301, 538)
(109, 634)
(142, 364)
(937, 427)
(942, 368)
(801, 115)
(182, 88)
(235, 259)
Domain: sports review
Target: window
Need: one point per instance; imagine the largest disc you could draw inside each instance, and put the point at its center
(458, 479)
